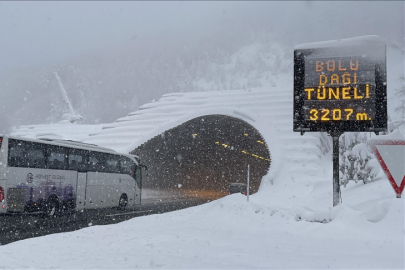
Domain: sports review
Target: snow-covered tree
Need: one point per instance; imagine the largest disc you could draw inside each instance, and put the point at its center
(357, 162)
(400, 94)
(400, 109)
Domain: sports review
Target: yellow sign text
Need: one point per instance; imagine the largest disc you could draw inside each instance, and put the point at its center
(336, 93)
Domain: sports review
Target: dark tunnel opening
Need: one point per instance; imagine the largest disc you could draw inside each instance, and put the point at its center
(203, 156)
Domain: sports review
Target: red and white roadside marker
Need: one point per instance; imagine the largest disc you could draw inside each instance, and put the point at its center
(390, 152)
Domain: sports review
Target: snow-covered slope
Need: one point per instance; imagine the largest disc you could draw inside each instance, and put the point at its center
(64, 131)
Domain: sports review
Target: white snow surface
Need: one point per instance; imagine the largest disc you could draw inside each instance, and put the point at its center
(355, 41)
(63, 131)
(364, 232)
(289, 223)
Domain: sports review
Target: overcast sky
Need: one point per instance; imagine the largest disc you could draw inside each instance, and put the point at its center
(34, 33)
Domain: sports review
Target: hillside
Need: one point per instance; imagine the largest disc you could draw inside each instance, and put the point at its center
(105, 86)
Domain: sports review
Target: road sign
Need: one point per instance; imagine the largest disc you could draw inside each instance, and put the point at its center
(340, 86)
(390, 152)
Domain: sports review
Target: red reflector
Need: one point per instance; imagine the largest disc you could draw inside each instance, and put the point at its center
(244, 194)
(1, 194)
(2, 206)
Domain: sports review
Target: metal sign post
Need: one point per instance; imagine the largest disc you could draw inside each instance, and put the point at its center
(247, 191)
(335, 160)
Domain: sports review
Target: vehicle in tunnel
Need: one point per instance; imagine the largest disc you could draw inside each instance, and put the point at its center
(238, 188)
(206, 153)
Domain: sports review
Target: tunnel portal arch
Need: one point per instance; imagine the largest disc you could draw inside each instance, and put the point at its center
(204, 155)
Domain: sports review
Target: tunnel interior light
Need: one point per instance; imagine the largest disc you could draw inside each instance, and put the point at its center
(245, 134)
(195, 134)
(244, 151)
(262, 143)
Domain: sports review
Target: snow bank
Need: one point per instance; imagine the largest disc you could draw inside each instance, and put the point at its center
(231, 233)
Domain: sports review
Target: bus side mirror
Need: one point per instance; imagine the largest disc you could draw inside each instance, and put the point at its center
(146, 169)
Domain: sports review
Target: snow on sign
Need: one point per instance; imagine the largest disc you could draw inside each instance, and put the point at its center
(340, 86)
(390, 152)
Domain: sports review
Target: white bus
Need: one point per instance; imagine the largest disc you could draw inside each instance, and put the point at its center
(55, 175)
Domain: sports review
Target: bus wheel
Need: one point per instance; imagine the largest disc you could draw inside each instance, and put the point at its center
(123, 202)
(51, 207)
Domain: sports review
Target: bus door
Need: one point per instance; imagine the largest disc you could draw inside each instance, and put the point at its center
(78, 161)
(81, 190)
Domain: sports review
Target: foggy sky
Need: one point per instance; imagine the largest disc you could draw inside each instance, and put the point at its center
(37, 33)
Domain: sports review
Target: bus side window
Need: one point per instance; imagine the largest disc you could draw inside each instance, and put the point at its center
(26, 154)
(94, 165)
(112, 163)
(35, 155)
(125, 165)
(98, 162)
(16, 155)
(77, 160)
(56, 158)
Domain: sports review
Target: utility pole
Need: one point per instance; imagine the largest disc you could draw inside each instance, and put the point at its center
(247, 191)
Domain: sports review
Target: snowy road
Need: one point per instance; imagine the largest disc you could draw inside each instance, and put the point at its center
(18, 227)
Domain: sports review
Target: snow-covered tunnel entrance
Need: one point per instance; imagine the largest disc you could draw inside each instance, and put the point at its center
(168, 125)
(204, 155)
